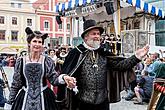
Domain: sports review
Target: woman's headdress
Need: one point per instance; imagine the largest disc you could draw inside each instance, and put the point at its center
(31, 34)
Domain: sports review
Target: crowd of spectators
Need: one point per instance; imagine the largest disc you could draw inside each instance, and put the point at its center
(112, 43)
(58, 56)
(142, 86)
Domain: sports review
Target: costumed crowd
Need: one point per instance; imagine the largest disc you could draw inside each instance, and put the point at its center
(87, 77)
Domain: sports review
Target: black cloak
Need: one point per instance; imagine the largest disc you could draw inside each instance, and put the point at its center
(116, 80)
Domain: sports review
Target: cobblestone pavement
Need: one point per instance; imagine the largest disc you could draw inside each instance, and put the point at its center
(127, 105)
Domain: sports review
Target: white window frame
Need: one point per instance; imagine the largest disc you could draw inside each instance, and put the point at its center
(12, 4)
(14, 23)
(2, 20)
(19, 5)
(29, 22)
(16, 37)
(4, 34)
(46, 26)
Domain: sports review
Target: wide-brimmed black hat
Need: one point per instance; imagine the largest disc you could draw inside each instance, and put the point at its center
(89, 25)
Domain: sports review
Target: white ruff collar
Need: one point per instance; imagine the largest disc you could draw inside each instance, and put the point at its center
(88, 47)
(63, 56)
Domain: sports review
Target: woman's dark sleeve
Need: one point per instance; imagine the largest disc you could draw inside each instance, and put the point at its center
(51, 73)
(17, 82)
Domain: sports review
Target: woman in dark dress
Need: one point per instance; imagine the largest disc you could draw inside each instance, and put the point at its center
(30, 75)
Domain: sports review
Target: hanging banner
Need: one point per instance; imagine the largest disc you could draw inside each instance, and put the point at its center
(72, 4)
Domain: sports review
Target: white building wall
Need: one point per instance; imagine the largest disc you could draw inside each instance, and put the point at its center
(81, 25)
(21, 14)
(75, 29)
(65, 37)
(78, 27)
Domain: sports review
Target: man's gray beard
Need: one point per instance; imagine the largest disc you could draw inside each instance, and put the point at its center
(94, 44)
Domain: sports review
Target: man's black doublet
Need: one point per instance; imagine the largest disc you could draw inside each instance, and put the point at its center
(92, 81)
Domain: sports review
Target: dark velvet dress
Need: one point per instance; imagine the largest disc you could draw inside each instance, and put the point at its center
(30, 79)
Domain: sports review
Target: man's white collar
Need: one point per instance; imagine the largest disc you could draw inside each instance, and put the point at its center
(88, 47)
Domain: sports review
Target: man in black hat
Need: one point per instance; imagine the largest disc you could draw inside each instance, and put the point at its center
(90, 64)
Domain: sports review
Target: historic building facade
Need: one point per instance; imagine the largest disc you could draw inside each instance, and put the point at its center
(160, 24)
(58, 28)
(15, 16)
(139, 30)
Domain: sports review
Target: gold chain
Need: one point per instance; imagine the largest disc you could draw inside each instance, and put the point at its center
(94, 58)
